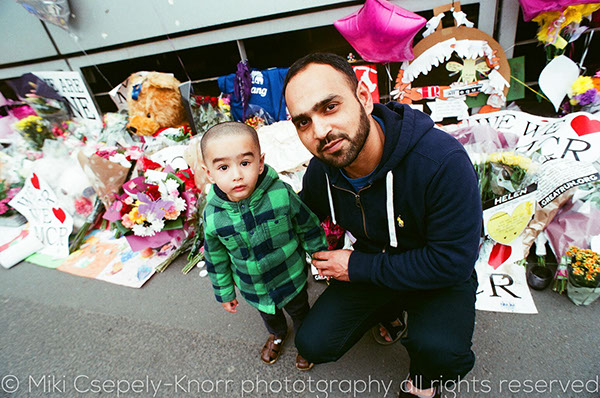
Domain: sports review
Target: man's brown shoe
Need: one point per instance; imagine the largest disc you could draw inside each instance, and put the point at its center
(303, 364)
(271, 350)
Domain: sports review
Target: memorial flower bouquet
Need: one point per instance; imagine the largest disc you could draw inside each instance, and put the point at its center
(7, 192)
(208, 111)
(584, 94)
(583, 278)
(501, 173)
(155, 208)
(35, 131)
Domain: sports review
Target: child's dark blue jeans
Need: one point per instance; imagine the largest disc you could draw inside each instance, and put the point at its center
(297, 309)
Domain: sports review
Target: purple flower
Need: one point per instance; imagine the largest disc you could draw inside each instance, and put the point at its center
(588, 97)
(155, 208)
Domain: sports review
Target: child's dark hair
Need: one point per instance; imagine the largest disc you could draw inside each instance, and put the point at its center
(227, 128)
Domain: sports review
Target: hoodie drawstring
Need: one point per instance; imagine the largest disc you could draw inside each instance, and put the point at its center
(389, 187)
(330, 201)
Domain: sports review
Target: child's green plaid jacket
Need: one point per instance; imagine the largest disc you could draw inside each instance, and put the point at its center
(259, 243)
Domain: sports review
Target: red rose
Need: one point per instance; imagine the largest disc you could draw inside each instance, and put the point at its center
(152, 191)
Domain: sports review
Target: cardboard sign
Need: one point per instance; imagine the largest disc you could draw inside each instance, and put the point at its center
(575, 136)
(368, 75)
(51, 224)
(72, 87)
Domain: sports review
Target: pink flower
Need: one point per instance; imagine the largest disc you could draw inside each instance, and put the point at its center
(133, 153)
(11, 193)
(172, 215)
(128, 200)
(3, 208)
(83, 206)
(127, 221)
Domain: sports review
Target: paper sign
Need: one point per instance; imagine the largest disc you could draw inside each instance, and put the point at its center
(503, 289)
(505, 221)
(452, 107)
(51, 224)
(559, 175)
(72, 87)
(105, 258)
(575, 136)
(186, 90)
(368, 75)
(557, 78)
(16, 244)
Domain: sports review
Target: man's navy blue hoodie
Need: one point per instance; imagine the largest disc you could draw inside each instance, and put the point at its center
(418, 219)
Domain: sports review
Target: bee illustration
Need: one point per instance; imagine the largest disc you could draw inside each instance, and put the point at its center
(468, 69)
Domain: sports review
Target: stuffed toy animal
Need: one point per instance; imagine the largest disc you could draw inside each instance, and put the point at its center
(154, 103)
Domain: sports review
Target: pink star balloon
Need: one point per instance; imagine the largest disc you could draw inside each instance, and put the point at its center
(381, 31)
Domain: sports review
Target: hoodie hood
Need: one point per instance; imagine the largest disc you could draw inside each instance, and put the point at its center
(413, 126)
(217, 198)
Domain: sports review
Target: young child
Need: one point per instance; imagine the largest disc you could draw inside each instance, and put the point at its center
(256, 231)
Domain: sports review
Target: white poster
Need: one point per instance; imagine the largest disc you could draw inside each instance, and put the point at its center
(502, 287)
(51, 224)
(72, 87)
(574, 137)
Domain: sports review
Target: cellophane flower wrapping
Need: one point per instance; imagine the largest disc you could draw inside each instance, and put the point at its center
(583, 277)
(208, 111)
(157, 208)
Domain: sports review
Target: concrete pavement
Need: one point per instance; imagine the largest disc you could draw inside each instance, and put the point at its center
(68, 336)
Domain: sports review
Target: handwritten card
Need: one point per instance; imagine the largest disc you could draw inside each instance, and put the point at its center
(51, 224)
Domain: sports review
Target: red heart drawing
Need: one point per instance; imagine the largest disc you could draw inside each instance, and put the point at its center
(584, 125)
(35, 182)
(60, 214)
(500, 253)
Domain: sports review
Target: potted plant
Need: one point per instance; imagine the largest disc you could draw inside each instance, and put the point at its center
(583, 278)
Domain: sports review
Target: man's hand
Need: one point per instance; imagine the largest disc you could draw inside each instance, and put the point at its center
(230, 306)
(333, 264)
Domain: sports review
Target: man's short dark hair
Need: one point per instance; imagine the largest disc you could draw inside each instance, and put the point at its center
(335, 61)
(227, 128)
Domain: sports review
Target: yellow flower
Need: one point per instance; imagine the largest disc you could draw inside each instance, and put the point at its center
(581, 85)
(590, 277)
(134, 215)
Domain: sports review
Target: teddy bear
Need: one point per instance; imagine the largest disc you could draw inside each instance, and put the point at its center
(154, 103)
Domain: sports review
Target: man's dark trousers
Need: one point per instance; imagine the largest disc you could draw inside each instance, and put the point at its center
(440, 326)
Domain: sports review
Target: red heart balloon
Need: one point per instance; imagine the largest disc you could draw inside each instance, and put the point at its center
(500, 253)
(60, 214)
(35, 182)
(584, 125)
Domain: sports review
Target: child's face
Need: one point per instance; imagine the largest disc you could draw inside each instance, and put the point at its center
(233, 163)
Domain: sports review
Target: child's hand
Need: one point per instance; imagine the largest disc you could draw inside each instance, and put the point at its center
(230, 306)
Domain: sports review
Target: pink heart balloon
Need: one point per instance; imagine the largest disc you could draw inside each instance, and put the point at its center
(381, 31)
(532, 8)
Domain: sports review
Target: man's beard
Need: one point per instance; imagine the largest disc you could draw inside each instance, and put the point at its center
(356, 145)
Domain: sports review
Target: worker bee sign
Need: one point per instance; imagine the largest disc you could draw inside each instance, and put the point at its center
(72, 87)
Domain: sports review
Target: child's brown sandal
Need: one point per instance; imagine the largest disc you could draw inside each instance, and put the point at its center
(271, 350)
